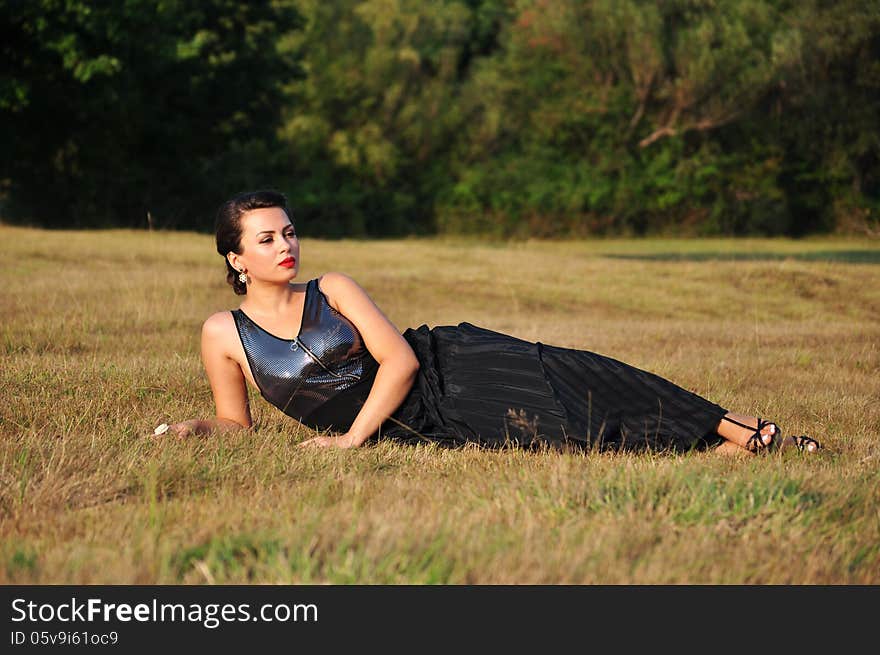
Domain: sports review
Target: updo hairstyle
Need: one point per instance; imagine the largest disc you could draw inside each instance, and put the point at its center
(227, 226)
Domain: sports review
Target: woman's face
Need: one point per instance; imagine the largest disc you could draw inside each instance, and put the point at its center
(269, 247)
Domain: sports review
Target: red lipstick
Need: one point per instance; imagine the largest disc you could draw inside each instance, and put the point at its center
(288, 263)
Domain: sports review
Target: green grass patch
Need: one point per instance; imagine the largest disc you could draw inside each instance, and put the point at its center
(99, 343)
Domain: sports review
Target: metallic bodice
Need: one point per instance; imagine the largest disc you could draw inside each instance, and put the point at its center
(326, 361)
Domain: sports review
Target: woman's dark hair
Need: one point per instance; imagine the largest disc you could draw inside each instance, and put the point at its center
(227, 226)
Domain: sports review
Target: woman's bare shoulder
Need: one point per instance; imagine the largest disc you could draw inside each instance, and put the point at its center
(335, 276)
(219, 326)
(338, 286)
(335, 280)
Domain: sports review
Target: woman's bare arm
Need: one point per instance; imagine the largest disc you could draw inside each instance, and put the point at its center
(397, 361)
(227, 382)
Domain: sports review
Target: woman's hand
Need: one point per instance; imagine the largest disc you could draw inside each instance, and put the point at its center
(185, 428)
(181, 429)
(198, 426)
(346, 440)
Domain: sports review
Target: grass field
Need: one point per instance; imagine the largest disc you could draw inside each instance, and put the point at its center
(100, 344)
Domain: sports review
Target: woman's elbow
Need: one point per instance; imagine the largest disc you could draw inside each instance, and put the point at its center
(407, 363)
(413, 364)
(403, 360)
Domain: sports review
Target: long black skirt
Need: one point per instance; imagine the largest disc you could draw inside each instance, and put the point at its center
(479, 386)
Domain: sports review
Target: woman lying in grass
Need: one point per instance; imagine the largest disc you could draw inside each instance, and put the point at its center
(323, 353)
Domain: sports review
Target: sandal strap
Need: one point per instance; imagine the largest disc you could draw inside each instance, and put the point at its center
(757, 437)
(742, 425)
(759, 443)
(803, 441)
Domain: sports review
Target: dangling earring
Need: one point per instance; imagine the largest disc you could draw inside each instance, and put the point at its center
(242, 277)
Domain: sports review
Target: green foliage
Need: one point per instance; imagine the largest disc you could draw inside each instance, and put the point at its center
(391, 117)
(374, 118)
(639, 117)
(117, 110)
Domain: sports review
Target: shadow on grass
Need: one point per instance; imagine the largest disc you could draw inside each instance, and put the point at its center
(846, 256)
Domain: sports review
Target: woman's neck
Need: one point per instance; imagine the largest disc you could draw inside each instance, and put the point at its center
(269, 299)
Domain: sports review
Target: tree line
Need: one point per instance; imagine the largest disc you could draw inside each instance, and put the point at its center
(512, 118)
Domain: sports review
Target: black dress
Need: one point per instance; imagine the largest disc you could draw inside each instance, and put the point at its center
(475, 385)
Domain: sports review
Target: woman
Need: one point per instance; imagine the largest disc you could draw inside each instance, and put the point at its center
(326, 355)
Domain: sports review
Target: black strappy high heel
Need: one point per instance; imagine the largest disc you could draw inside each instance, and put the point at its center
(803, 442)
(756, 441)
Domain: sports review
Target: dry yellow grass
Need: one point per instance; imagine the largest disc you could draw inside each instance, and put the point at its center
(100, 344)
